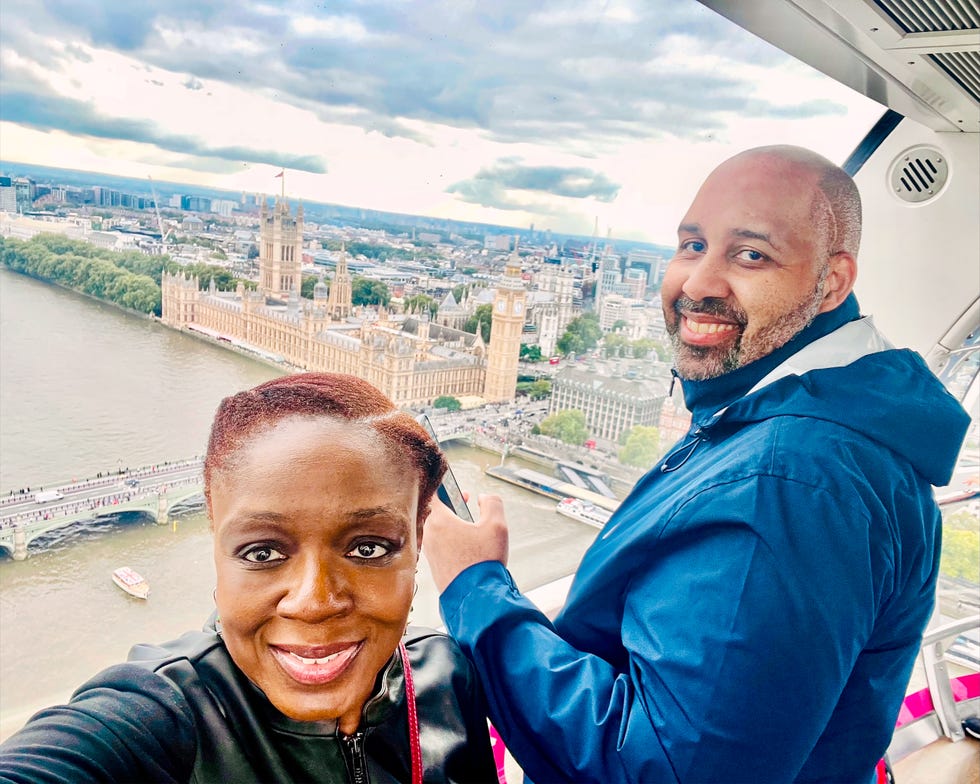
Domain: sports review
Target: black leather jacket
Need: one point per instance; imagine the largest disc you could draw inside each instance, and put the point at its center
(184, 712)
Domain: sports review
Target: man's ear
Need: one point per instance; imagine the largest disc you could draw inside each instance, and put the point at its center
(839, 281)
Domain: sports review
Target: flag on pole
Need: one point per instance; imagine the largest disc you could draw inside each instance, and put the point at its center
(281, 173)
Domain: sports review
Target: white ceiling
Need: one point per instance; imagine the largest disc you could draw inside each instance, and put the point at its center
(918, 57)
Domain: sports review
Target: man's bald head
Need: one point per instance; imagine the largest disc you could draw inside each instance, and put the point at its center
(837, 207)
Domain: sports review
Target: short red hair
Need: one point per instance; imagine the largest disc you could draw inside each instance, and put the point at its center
(333, 395)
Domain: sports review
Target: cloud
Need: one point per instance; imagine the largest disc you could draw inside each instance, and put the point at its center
(496, 186)
(78, 53)
(75, 117)
(522, 106)
(577, 75)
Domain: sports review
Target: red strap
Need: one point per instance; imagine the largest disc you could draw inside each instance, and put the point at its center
(413, 719)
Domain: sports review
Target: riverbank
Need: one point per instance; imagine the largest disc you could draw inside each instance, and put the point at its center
(79, 292)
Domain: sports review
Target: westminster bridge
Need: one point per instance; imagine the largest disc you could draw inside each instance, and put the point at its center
(155, 490)
(158, 489)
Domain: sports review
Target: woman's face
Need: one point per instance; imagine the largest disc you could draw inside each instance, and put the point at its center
(315, 548)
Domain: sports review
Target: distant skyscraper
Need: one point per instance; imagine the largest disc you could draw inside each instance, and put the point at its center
(649, 260)
(8, 195)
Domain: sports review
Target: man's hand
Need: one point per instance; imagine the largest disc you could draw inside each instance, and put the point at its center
(451, 544)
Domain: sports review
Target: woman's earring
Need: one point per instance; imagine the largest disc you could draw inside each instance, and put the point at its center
(217, 616)
(411, 609)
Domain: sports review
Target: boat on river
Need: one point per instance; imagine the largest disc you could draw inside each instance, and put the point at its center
(542, 484)
(583, 511)
(131, 581)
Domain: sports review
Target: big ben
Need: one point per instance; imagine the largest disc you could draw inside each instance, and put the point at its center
(506, 326)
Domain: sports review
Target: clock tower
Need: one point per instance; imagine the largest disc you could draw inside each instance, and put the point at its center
(506, 326)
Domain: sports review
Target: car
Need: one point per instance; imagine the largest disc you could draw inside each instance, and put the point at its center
(132, 482)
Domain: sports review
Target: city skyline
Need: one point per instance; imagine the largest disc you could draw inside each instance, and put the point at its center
(562, 117)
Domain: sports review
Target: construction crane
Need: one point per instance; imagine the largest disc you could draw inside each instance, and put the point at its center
(156, 208)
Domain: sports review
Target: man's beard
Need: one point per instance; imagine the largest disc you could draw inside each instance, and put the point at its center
(699, 363)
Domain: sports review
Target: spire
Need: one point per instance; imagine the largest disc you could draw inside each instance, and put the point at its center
(339, 304)
(512, 271)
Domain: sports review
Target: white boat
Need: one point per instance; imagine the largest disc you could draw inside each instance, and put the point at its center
(131, 582)
(583, 511)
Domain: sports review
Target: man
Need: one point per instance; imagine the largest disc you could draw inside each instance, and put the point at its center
(752, 611)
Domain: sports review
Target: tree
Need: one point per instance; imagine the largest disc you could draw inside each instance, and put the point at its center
(961, 546)
(224, 279)
(536, 390)
(643, 346)
(447, 402)
(253, 252)
(365, 291)
(615, 345)
(567, 426)
(530, 353)
(540, 389)
(83, 267)
(483, 316)
(306, 287)
(641, 448)
(581, 335)
(421, 303)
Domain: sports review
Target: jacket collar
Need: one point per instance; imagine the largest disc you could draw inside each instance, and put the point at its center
(704, 398)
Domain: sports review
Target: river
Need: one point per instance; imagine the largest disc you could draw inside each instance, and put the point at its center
(86, 387)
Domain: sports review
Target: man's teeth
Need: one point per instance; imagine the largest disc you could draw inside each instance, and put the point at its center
(323, 660)
(708, 327)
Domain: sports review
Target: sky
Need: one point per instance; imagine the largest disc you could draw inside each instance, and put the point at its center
(575, 115)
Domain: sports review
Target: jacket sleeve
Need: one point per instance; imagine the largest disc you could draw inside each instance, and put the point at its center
(125, 725)
(738, 632)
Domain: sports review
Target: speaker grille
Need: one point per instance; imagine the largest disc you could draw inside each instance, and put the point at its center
(918, 175)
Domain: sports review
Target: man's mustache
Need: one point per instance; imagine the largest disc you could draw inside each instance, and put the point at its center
(710, 306)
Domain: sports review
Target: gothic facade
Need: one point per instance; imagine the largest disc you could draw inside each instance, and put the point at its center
(410, 359)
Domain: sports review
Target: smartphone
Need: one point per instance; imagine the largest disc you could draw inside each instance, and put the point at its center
(448, 492)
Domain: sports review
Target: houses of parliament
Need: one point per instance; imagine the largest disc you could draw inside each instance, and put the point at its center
(410, 359)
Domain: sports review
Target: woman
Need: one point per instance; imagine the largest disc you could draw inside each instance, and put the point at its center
(317, 488)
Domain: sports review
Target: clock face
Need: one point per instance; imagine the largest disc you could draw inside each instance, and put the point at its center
(518, 308)
(501, 306)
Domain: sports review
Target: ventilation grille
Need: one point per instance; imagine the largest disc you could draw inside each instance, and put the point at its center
(929, 16)
(963, 68)
(918, 175)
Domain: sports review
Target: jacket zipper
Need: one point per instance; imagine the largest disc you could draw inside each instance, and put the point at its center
(353, 749)
(683, 453)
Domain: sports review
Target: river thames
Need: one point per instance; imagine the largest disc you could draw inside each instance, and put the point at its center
(86, 388)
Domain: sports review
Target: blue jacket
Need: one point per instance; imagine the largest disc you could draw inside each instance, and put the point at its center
(752, 611)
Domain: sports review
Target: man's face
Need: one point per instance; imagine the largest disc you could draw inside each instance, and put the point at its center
(749, 268)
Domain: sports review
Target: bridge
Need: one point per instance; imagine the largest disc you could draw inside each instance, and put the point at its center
(151, 489)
